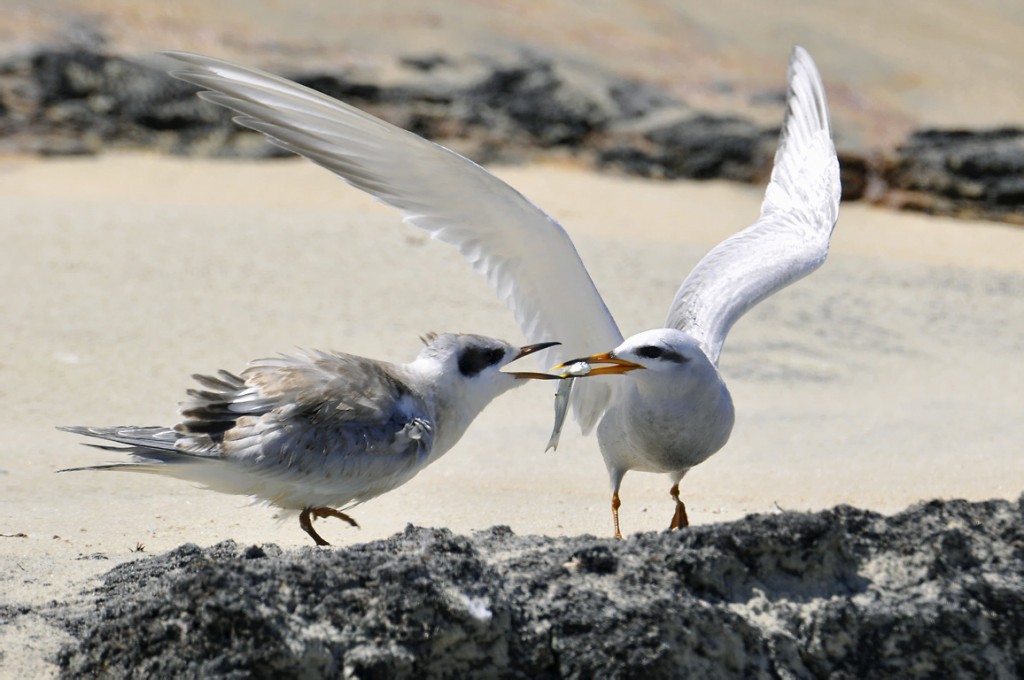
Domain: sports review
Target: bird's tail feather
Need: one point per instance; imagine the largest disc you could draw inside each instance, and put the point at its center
(130, 467)
(152, 448)
(153, 451)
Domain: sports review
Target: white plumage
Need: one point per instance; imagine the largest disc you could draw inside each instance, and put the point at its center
(666, 418)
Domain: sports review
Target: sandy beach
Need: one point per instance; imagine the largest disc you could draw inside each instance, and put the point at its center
(890, 376)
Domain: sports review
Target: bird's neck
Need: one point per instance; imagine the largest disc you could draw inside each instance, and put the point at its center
(696, 389)
(456, 400)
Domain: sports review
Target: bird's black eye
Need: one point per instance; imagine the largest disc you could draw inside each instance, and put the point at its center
(472, 360)
(650, 352)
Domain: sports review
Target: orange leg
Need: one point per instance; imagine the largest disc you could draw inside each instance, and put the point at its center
(331, 512)
(318, 513)
(307, 526)
(615, 513)
(679, 519)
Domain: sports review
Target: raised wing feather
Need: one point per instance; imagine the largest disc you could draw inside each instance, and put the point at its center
(524, 254)
(790, 238)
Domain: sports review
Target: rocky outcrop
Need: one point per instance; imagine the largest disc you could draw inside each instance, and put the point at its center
(961, 172)
(79, 100)
(936, 591)
(698, 146)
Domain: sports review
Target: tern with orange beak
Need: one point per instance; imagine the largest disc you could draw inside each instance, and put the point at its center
(670, 410)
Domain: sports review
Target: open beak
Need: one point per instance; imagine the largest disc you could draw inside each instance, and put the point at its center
(615, 366)
(530, 349)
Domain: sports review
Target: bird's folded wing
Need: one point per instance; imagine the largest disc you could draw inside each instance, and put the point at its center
(790, 238)
(311, 413)
(524, 254)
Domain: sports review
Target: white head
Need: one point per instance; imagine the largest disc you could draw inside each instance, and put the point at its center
(466, 369)
(662, 350)
(473, 364)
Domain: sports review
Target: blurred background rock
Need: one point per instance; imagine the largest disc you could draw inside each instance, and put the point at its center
(926, 100)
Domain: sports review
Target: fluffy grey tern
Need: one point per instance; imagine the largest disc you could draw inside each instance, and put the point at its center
(316, 433)
(671, 409)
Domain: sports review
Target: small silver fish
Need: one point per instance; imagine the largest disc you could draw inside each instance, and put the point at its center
(578, 369)
(561, 409)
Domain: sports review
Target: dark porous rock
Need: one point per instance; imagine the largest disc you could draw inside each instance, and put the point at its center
(936, 591)
(547, 103)
(555, 104)
(961, 172)
(74, 100)
(79, 101)
(700, 146)
(857, 174)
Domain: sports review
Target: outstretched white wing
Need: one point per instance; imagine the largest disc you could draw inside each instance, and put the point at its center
(790, 238)
(523, 253)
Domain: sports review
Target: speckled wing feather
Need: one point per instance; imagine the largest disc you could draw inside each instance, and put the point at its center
(789, 240)
(280, 409)
(315, 427)
(524, 254)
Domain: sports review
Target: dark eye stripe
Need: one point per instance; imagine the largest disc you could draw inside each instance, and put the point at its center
(653, 352)
(649, 352)
(472, 360)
